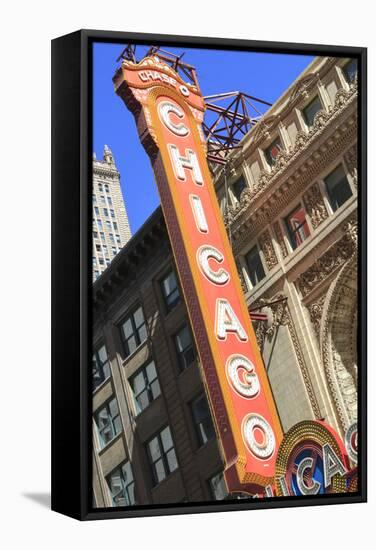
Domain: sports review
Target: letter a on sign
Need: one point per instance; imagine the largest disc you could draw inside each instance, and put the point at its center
(169, 115)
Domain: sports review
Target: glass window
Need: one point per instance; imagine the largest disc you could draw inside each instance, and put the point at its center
(350, 70)
(133, 331)
(145, 386)
(105, 211)
(115, 226)
(162, 456)
(202, 420)
(118, 239)
(109, 200)
(238, 187)
(108, 224)
(98, 247)
(272, 151)
(100, 187)
(94, 261)
(94, 199)
(184, 348)
(108, 422)
(101, 366)
(310, 111)
(106, 188)
(113, 248)
(121, 485)
(297, 226)
(103, 199)
(96, 210)
(218, 487)
(95, 234)
(338, 187)
(255, 268)
(170, 291)
(112, 213)
(100, 225)
(111, 237)
(101, 261)
(102, 235)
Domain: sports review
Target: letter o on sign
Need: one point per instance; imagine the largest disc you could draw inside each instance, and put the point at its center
(258, 436)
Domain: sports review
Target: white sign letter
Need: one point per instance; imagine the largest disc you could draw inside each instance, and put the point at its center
(265, 448)
(332, 464)
(226, 321)
(312, 489)
(219, 277)
(164, 109)
(190, 162)
(248, 387)
(199, 214)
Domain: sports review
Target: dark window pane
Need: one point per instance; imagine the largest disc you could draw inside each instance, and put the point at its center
(162, 455)
(351, 70)
(138, 317)
(127, 328)
(154, 449)
(238, 187)
(159, 470)
(145, 386)
(272, 151)
(171, 460)
(142, 334)
(310, 111)
(202, 419)
(297, 226)
(338, 188)
(101, 367)
(218, 487)
(184, 347)
(170, 291)
(254, 265)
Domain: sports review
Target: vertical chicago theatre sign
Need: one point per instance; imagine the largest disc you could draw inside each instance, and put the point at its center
(169, 114)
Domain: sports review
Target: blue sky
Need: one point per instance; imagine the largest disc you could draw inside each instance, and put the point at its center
(263, 75)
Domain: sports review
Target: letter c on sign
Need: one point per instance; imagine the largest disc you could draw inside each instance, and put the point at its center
(164, 110)
(204, 253)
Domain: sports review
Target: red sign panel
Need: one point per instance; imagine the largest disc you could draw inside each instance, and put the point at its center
(169, 114)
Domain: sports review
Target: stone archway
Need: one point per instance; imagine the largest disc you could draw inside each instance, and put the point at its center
(338, 342)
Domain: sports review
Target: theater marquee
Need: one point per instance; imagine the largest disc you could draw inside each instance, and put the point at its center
(169, 114)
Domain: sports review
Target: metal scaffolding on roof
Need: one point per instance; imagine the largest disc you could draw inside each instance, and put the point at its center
(229, 116)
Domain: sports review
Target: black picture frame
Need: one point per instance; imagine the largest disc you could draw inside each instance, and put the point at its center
(71, 272)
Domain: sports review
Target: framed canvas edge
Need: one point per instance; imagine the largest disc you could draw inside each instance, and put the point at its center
(87, 37)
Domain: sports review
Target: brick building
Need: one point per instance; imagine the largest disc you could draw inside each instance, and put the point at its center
(289, 200)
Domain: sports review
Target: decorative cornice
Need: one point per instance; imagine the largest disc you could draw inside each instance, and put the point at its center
(330, 261)
(286, 159)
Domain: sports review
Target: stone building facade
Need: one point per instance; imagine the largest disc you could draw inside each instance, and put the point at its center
(289, 201)
(111, 228)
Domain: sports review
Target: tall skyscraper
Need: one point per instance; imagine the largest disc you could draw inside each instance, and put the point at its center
(111, 229)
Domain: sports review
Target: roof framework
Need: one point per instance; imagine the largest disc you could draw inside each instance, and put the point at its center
(229, 116)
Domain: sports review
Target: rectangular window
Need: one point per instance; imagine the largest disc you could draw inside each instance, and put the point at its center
(108, 224)
(170, 291)
(96, 210)
(95, 234)
(105, 251)
(238, 187)
(109, 200)
(338, 187)
(98, 247)
(272, 151)
(113, 248)
(112, 213)
(94, 199)
(111, 237)
(100, 225)
(184, 348)
(101, 261)
(102, 235)
(350, 70)
(133, 331)
(105, 212)
(310, 111)
(121, 485)
(297, 226)
(117, 239)
(103, 199)
(108, 422)
(202, 420)
(145, 386)
(218, 487)
(255, 268)
(115, 226)
(94, 261)
(162, 456)
(106, 188)
(101, 366)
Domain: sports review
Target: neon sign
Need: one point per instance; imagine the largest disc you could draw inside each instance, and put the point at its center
(169, 114)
